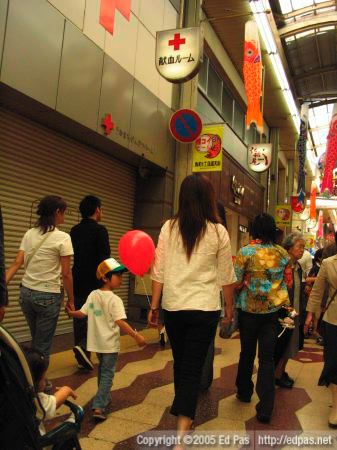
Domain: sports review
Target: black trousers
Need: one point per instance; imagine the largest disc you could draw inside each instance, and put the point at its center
(80, 325)
(329, 373)
(261, 329)
(190, 334)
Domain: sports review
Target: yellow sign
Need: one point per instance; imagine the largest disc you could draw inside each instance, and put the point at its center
(283, 214)
(310, 240)
(207, 149)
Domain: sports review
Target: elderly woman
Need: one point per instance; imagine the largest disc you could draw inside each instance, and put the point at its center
(259, 268)
(327, 278)
(293, 340)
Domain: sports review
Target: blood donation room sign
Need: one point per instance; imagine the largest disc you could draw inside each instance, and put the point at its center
(179, 53)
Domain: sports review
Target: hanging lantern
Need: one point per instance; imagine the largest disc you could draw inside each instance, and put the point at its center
(331, 155)
(313, 195)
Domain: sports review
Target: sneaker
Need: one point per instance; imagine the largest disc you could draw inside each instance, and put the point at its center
(287, 377)
(82, 358)
(99, 414)
(263, 418)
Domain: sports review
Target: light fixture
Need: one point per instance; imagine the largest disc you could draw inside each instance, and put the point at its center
(260, 8)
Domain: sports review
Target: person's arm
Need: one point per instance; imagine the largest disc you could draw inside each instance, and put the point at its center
(153, 315)
(228, 292)
(67, 278)
(316, 295)
(62, 394)
(157, 275)
(15, 266)
(3, 286)
(103, 244)
(76, 314)
(124, 326)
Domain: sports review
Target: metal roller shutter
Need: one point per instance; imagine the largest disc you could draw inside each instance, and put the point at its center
(36, 161)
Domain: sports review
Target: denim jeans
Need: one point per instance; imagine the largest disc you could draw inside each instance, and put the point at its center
(106, 372)
(261, 329)
(41, 310)
(190, 334)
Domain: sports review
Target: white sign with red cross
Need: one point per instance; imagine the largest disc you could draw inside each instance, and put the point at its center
(179, 53)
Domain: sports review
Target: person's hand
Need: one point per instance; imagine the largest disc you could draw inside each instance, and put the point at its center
(140, 340)
(68, 310)
(307, 323)
(70, 305)
(153, 318)
(68, 391)
(2, 312)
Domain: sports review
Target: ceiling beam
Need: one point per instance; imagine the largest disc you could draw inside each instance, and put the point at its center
(308, 24)
(315, 72)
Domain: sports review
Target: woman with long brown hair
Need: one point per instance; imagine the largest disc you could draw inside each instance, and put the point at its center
(45, 252)
(193, 260)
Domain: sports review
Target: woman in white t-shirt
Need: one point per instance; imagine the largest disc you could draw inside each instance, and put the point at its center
(193, 259)
(46, 253)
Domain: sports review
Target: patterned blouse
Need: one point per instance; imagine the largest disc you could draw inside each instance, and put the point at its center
(260, 270)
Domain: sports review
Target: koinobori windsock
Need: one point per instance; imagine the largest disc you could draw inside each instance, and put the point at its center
(302, 151)
(252, 74)
(331, 155)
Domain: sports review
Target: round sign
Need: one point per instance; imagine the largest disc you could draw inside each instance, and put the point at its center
(185, 125)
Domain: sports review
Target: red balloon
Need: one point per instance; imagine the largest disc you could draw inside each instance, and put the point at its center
(136, 251)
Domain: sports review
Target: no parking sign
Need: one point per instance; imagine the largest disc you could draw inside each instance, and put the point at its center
(185, 125)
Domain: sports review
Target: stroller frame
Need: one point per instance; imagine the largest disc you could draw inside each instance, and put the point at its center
(20, 409)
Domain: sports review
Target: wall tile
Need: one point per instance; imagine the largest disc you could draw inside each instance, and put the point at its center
(135, 5)
(92, 28)
(32, 49)
(151, 15)
(72, 10)
(170, 16)
(121, 46)
(165, 91)
(145, 70)
(3, 18)
(80, 78)
(116, 99)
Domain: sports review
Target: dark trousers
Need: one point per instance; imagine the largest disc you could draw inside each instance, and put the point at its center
(329, 373)
(80, 325)
(261, 329)
(190, 334)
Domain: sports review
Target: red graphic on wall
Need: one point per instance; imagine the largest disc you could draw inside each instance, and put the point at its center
(108, 124)
(107, 12)
(177, 41)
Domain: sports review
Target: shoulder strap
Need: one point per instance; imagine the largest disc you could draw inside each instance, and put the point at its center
(29, 259)
(330, 301)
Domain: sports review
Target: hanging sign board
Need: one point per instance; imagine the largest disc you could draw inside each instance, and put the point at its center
(283, 214)
(179, 53)
(207, 149)
(259, 157)
(185, 125)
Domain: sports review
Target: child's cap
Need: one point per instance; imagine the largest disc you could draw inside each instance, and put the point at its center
(109, 265)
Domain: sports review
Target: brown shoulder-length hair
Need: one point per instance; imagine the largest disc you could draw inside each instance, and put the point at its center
(197, 206)
(46, 210)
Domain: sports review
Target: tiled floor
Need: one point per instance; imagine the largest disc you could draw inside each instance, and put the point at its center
(143, 391)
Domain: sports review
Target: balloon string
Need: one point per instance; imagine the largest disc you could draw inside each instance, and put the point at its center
(148, 299)
(284, 329)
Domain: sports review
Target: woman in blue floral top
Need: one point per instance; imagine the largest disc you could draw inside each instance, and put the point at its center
(262, 291)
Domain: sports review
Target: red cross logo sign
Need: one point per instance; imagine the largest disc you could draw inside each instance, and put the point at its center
(179, 53)
(108, 9)
(108, 124)
(177, 42)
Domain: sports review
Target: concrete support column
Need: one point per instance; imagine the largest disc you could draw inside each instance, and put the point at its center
(274, 139)
(188, 99)
(290, 181)
(282, 188)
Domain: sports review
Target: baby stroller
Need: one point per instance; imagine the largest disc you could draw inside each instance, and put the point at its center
(20, 410)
